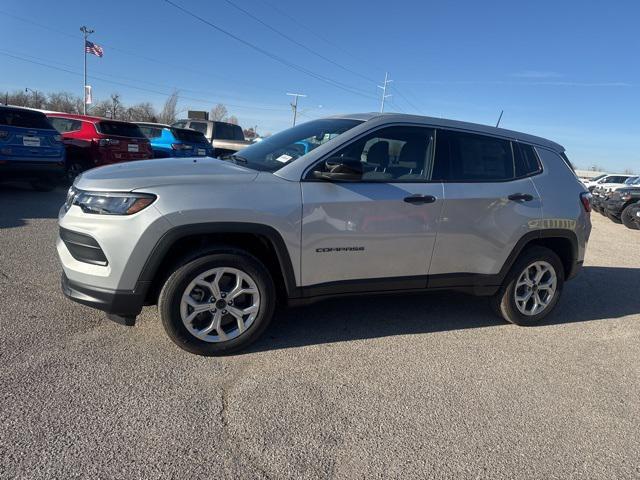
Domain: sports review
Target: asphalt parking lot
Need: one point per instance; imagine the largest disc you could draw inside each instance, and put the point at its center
(428, 386)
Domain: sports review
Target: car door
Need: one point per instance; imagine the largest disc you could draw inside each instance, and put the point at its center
(490, 202)
(377, 233)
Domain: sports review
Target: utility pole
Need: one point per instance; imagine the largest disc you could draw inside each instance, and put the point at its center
(294, 105)
(86, 31)
(499, 118)
(35, 95)
(384, 90)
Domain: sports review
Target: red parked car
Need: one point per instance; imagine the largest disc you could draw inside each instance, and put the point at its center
(94, 141)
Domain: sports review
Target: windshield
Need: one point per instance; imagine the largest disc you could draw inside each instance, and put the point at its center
(276, 151)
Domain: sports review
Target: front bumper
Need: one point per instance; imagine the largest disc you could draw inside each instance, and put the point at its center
(126, 304)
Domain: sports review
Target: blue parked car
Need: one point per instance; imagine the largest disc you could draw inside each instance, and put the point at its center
(167, 141)
(30, 148)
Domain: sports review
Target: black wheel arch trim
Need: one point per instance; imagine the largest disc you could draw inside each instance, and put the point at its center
(175, 234)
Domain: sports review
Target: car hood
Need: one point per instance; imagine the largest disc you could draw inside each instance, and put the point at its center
(138, 174)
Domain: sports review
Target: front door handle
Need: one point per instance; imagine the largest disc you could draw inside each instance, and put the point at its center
(520, 197)
(420, 199)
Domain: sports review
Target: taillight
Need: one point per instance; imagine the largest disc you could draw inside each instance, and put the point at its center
(104, 142)
(585, 198)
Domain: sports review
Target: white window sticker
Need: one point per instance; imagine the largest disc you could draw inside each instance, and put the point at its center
(28, 141)
(284, 158)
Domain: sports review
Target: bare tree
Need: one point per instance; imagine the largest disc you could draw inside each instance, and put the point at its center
(64, 102)
(219, 113)
(168, 114)
(142, 112)
(232, 119)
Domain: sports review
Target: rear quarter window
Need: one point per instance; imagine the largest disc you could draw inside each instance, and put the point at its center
(468, 157)
(228, 131)
(64, 125)
(120, 129)
(24, 119)
(191, 136)
(526, 160)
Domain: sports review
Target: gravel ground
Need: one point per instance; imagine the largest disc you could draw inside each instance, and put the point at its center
(427, 386)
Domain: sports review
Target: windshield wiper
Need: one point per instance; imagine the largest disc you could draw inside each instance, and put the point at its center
(238, 158)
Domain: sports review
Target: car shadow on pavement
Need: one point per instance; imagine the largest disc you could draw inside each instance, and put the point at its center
(20, 202)
(598, 293)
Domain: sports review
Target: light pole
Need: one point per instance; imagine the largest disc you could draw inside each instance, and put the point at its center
(35, 95)
(86, 31)
(294, 105)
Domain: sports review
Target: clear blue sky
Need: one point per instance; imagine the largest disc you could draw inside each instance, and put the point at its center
(565, 70)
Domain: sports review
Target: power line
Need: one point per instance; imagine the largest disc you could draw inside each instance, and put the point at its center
(126, 52)
(122, 77)
(410, 103)
(302, 26)
(296, 42)
(275, 57)
(136, 87)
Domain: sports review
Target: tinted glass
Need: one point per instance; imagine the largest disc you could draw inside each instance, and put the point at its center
(199, 126)
(393, 154)
(24, 119)
(466, 157)
(228, 131)
(179, 124)
(121, 129)
(278, 150)
(64, 125)
(526, 160)
(186, 135)
(150, 132)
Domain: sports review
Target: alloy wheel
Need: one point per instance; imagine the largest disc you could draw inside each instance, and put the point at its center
(535, 289)
(220, 304)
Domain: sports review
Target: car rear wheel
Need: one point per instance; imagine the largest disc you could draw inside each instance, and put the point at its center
(532, 288)
(217, 304)
(628, 219)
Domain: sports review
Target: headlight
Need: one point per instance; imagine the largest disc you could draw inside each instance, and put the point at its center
(107, 203)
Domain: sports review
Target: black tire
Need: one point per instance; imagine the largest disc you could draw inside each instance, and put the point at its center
(627, 217)
(504, 301)
(74, 168)
(173, 289)
(612, 217)
(43, 185)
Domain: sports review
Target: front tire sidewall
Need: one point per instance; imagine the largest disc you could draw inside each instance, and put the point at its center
(628, 219)
(171, 294)
(505, 302)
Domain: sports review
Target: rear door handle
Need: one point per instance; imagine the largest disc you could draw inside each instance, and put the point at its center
(520, 197)
(420, 199)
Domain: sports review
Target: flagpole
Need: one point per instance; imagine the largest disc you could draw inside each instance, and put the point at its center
(86, 33)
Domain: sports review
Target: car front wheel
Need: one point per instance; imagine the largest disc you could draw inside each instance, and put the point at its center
(217, 304)
(532, 288)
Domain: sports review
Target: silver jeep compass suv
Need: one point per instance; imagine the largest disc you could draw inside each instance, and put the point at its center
(354, 204)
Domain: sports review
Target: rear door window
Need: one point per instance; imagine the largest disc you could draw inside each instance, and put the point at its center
(120, 129)
(228, 131)
(468, 157)
(24, 119)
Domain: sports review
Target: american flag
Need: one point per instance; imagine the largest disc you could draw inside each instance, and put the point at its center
(93, 48)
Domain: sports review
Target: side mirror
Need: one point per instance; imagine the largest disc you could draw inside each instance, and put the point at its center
(341, 169)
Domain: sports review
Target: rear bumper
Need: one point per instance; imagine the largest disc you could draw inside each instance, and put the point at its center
(122, 303)
(31, 169)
